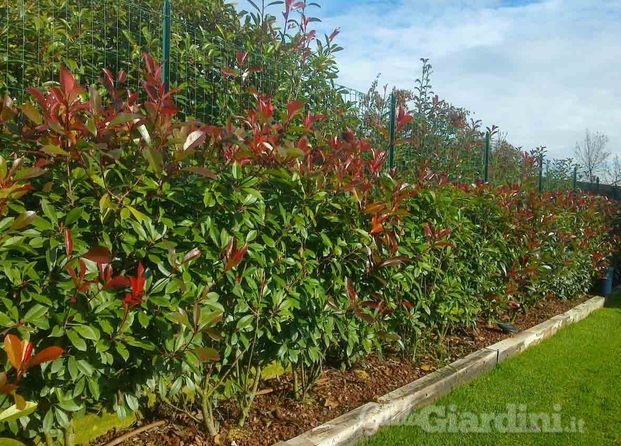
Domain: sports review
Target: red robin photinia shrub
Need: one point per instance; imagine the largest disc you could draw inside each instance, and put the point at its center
(175, 260)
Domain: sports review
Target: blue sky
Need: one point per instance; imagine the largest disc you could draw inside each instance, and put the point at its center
(543, 70)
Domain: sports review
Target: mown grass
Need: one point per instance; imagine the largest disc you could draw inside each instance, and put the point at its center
(579, 369)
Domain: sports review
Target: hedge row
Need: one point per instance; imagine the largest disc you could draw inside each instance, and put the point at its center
(176, 260)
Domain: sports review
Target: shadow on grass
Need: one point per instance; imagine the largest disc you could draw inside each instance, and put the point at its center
(614, 300)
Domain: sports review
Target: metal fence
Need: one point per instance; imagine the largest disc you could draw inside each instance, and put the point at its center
(215, 76)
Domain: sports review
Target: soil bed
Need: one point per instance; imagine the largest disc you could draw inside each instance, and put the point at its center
(277, 416)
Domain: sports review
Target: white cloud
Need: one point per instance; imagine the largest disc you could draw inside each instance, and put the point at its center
(544, 71)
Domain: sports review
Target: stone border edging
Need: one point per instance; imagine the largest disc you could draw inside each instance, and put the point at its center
(398, 404)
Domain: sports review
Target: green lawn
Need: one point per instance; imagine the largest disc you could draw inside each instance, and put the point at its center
(576, 373)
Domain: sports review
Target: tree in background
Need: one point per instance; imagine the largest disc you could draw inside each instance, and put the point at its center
(613, 171)
(591, 154)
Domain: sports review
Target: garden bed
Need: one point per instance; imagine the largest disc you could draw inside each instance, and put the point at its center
(277, 416)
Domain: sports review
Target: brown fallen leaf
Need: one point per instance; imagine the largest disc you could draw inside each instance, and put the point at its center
(220, 439)
(362, 375)
(280, 414)
(331, 404)
(322, 381)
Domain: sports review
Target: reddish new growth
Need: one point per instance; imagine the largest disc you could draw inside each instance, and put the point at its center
(137, 284)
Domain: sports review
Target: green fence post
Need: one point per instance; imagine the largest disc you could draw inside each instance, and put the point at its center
(597, 185)
(391, 146)
(488, 138)
(575, 184)
(166, 45)
(541, 173)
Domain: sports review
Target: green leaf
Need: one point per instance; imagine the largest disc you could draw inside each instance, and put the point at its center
(72, 367)
(236, 170)
(268, 241)
(49, 212)
(73, 215)
(132, 402)
(137, 214)
(245, 322)
(87, 332)
(35, 312)
(13, 413)
(122, 350)
(24, 219)
(48, 421)
(69, 405)
(76, 340)
(61, 417)
(85, 367)
(180, 317)
(93, 386)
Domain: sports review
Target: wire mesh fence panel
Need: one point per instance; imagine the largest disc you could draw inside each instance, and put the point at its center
(40, 36)
(216, 78)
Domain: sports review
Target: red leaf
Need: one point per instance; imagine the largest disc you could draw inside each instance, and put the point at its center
(395, 261)
(402, 117)
(230, 247)
(351, 291)
(108, 79)
(334, 34)
(118, 283)
(377, 227)
(67, 81)
(428, 230)
(229, 72)
(236, 258)
(140, 280)
(364, 316)
(407, 304)
(99, 254)
(46, 355)
(8, 389)
(194, 139)
(149, 62)
(203, 172)
(68, 242)
(193, 254)
(37, 95)
(293, 108)
(27, 351)
(375, 208)
(82, 269)
(207, 354)
(14, 348)
(242, 57)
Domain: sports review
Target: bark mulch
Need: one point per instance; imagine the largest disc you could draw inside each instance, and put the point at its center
(278, 416)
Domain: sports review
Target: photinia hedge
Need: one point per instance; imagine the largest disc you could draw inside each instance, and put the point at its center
(170, 260)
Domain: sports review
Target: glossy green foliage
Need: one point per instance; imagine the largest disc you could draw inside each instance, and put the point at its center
(175, 260)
